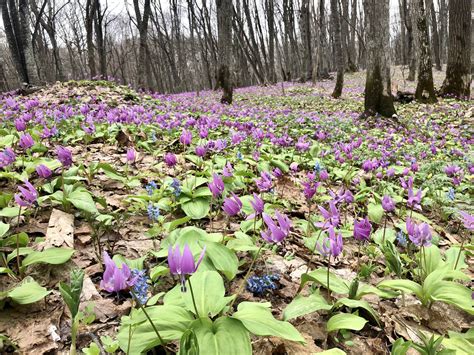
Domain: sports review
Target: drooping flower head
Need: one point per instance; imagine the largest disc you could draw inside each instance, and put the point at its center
(64, 156)
(332, 245)
(26, 141)
(362, 229)
(331, 216)
(228, 170)
(183, 264)
(200, 151)
(116, 278)
(170, 159)
(276, 232)
(216, 186)
(186, 137)
(7, 157)
(387, 204)
(419, 234)
(43, 171)
(232, 205)
(27, 195)
(131, 155)
(265, 181)
(467, 219)
(257, 205)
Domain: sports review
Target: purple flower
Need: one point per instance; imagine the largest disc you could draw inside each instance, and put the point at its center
(20, 125)
(275, 233)
(362, 229)
(183, 264)
(64, 156)
(170, 159)
(294, 167)
(26, 141)
(277, 173)
(131, 155)
(7, 157)
(419, 234)
(116, 279)
(332, 245)
(414, 200)
(390, 172)
(27, 195)
(43, 171)
(330, 216)
(468, 220)
(232, 205)
(200, 151)
(258, 206)
(216, 186)
(452, 170)
(302, 144)
(323, 175)
(387, 204)
(265, 181)
(228, 170)
(310, 186)
(186, 137)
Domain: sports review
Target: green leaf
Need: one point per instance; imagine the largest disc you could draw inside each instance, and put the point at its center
(82, 200)
(358, 304)
(158, 271)
(225, 336)
(301, 306)
(10, 212)
(345, 321)
(431, 260)
(455, 294)
(209, 293)
(406, 286)
(375, 212)
(452, 256)
(222, 258)
(320, 276)
(5, 270)
(93, 349)
(29, 291)
(197, 208)
(53, 256)
(258, 319)
(170, 320)
(4, 227)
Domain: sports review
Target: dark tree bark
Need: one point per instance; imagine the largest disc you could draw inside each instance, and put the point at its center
(305, 28)
(352, 38)
(425, 66)
(378, 96)
(435, 36)
(458, 72)
(335, 18)
(89, 24)
(143, 63)
(100, 38)
(443, 29)
(270, 8)
(323, 65)
(224, 43)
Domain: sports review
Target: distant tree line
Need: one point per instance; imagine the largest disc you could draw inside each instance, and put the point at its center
(191, 45)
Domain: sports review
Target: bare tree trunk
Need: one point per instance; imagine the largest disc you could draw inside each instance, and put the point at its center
(25, 34)
(224, 29)
(89, 24)
(323, 66)
(305, 28)
(435, 36)
(100, 39)
(443, 19)
(270, 8)
(352, 38)
(143, 63)
(425, 66)
(458, 72)
(378, 96)
(335, 18)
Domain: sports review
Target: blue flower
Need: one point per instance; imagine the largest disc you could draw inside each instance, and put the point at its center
(258, 285)
(150, 187)
(450, 194)
(153, 212)
(176, 187)
(140, 288)
(239, 155)
(401, 239)
(317, 167)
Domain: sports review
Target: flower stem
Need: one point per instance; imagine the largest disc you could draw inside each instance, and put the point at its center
(148, 317)
(384, 228)
(459, 254)
(314, 248)
(329, 265)
(246, 276)
(18, 245)
(192, 296)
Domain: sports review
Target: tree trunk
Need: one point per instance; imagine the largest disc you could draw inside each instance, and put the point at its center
(443, 19)
(458, 72)
(100, 39)
(270, 7)
(425, 66)
(224, 43)
(335, 18)
(89, 24)
(352, 38)
(323, 66)
(378, 96)
(143, 70)
(305, 28)
(435, 36)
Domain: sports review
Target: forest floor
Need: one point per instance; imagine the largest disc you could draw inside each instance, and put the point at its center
(303, 153)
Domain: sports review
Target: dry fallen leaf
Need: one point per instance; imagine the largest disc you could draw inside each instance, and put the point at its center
(60, 231)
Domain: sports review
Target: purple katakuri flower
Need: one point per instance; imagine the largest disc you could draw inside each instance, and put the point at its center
(387, 204)
(200, 151)
(27, 195)
(467, 219)
(216, 186)
(183, 264)
(258, 206)
(228, 170)
(362, 230)
(330, 216)
(26, 141)
(170, 159)
(7, 157)
(64, 156)
(419, 234)
(43, 171)
(131, 155)
(265, 181)
(232, 205)
(186, 137)
(116, 279)
(276, 233)
(332, 245)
